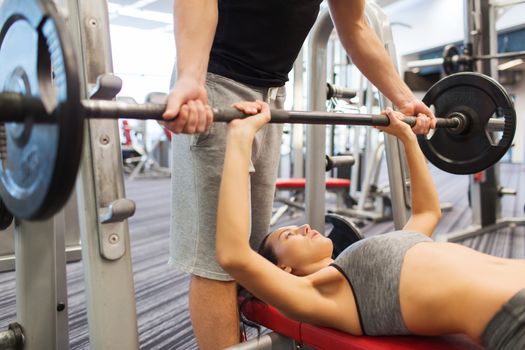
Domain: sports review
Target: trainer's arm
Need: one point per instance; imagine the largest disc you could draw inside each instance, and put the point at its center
(370, 56)
(195, 25)
(187, 108)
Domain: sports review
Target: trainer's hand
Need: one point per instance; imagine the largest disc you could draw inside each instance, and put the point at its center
(187, 109)
(425, 119)
(260, 116)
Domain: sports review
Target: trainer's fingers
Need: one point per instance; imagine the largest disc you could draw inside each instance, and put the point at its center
(209, 117)
(193, 118)
(182, 118)
(173, 106)
(201, 121)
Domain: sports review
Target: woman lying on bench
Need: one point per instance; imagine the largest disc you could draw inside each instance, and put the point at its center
(396, 283)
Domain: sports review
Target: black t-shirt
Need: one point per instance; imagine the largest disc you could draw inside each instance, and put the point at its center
(257, 41)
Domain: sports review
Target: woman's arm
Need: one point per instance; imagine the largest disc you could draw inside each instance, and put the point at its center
(426, 211)
(294, 296)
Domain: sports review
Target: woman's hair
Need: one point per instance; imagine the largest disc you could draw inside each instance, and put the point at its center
(267, 251)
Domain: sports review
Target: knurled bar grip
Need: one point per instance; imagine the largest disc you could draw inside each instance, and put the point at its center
(327, 118)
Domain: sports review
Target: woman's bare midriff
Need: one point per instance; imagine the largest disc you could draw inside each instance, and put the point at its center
(449, 288)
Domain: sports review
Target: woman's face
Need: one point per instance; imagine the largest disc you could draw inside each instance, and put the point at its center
(300, 248)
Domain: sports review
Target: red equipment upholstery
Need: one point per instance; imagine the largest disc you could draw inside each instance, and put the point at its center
(328, 339)
(299, 183)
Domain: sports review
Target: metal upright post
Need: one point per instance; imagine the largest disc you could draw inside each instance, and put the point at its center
(103, 210)
(298, 129)
(485, 201)
(315, 134)
(41, 289)
(394, 156)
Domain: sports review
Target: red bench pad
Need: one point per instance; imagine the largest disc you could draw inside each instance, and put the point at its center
(299, 183)
(328, 339)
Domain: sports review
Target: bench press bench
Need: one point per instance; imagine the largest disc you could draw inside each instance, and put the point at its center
(329, 339)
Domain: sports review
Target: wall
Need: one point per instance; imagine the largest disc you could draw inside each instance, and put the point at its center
(143, 59)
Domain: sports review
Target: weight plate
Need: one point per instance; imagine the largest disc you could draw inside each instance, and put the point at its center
(449, 66)
(479, 98)
(38, 162)
(454, 62)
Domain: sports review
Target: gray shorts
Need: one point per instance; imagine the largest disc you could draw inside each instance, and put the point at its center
(506, 330)
(196, 174)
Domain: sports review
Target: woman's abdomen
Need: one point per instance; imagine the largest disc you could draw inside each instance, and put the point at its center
(447, 288)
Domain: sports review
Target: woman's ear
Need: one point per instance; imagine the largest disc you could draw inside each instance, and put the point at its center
(286, 268)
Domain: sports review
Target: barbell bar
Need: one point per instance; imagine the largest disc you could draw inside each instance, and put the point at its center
(18, 108)
(453, 61)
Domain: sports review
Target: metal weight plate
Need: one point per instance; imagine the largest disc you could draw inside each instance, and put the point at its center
(449, 66)
(38, 162)
(474, 149)
(453, 62)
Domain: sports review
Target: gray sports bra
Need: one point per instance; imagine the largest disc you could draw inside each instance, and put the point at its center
(372, 267)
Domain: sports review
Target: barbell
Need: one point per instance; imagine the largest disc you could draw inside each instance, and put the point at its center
(452, 61)
(42, 115)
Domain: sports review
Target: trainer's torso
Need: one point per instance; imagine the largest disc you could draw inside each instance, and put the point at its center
(257, 41)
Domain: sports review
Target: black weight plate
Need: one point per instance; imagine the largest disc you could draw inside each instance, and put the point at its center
(479, 98)
(449, 66)
(39, 162)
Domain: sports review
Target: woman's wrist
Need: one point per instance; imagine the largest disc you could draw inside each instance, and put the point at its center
(240, 136)
(408, 137)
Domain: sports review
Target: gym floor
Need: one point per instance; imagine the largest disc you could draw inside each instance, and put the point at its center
(161, 301)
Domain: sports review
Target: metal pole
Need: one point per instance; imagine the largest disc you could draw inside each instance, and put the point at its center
(394, 156)
(110, 293)
(298, 129)
(315, 137)
(41, 290)
(479, 37)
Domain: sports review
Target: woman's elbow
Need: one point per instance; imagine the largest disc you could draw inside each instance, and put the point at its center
(437, 215)
(229, 262)
(434, 218)
(225, 260)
